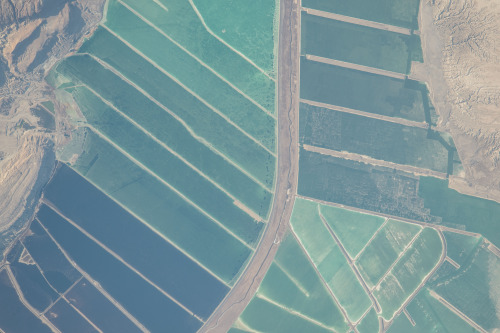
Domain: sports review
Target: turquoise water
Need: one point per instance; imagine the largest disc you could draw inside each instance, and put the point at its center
(220, 134)
(201, 81)
(247, 26)
(460, 247)
(263, 316)
(409, 272)
(472, 288)
(171, 132)
(315, 304)
(384, 250)
(306, 294)
(162, 208)
(329, 260)
(369, 324)
(294, 286)
(181, 24)
(177, 139)
(353, 229)
(133, 241)
(166, 165)
(430, 316)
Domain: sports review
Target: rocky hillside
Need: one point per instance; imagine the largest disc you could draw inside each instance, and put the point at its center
(34, 35)
(461, 40)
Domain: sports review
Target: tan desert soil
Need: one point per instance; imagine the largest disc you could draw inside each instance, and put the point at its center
(34, 35)
(461, 44)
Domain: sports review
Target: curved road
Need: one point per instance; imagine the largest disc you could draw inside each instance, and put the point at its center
(287, 174)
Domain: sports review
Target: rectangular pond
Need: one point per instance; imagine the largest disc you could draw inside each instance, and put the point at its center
(14, 316)
(37, 292)
(55, 267)
(382, 140)
(67, 319)
(358, 44)
(401, 13)
(137, 244)
(363, 91)
(98, 309)
(152, 308)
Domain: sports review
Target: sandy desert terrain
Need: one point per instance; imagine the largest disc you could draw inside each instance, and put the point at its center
(34, 34)
(461, 41)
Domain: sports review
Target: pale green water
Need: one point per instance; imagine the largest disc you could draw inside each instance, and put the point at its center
(354, 229)
(195, 77)
(161, 208)
(460, 247)
(181, 24)
(166, 166)
(263, 316)
(248, 28)
(369, 324)
(430, 316)
(293, 260)
(292, 283)
(384, 249)
(473, 289)
(409, 272)
(220, 134)
(328, 258)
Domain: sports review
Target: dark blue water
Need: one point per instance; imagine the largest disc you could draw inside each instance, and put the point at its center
(157, 312)
(36, 290)
(66, 319)
(14, 317)
(56, 268)
(99, 309)
(171, 270)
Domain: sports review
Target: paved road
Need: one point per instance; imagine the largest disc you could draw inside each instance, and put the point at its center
(287, 174)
